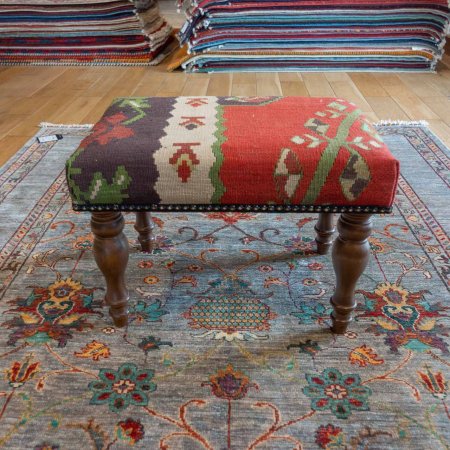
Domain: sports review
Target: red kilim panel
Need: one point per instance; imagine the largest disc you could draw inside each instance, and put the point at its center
(271, 153)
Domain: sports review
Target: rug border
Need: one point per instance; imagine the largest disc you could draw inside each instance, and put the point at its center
(43, 126)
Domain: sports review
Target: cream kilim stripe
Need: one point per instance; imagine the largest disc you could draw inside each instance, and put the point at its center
(185, 157)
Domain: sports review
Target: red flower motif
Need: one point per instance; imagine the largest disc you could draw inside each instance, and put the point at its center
(108, 130)
(309, 281)
(327, 434)
(20, 373)
(130, 430)
(151, 279)
(434, 383)
(315, 266)
(145, 264)
(230, 384)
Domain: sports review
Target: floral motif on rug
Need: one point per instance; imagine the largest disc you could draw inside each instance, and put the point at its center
(228, 345)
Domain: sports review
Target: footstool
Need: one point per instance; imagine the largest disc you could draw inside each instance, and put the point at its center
(255, 154)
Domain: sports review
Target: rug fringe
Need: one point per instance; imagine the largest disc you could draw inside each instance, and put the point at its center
(65, 125)
(407, 123)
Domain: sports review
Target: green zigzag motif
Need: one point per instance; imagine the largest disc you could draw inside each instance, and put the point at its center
(138, 104)
(219, 188)
(71, 172)
(100, 192)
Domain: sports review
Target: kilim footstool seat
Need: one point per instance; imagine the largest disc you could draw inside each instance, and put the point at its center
(256, 154)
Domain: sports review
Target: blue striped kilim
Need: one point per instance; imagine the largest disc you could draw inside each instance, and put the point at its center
(314, 35)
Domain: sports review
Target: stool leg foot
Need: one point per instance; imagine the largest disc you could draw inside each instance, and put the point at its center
(111, 255)
(350, 256)
(144, 226)
(324, 232)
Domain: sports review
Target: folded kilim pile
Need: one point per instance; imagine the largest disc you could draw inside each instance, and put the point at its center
(82, 32)
(314, 35)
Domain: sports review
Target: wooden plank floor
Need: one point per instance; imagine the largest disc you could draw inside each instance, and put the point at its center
(30, 95)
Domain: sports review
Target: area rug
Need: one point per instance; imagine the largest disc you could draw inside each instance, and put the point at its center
(228, 345)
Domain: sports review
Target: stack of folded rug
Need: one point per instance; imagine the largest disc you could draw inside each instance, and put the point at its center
(312, 35)
(82, 32)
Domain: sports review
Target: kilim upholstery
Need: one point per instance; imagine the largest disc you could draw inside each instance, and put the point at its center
(257, 153)
(268, 154)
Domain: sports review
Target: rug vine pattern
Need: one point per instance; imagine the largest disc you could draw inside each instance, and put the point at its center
(229, 344)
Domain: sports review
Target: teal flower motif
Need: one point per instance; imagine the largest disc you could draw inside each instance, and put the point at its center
(311, 311)
(122, 388)
(339, 393)
(143, 312)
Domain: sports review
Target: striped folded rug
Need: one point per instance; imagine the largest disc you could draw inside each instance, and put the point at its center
(82, 32)
(312, 35)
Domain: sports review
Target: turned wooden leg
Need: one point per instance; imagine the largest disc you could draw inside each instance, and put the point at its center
(324, 232)
(111, 255)
(350, 256)
(144, 226)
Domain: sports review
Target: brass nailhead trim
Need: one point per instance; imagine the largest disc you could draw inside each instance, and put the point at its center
(243, 208)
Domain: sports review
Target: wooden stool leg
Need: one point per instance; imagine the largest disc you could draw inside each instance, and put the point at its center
(111, 255)
(324, 232)
(144, 226)
(350, 256)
